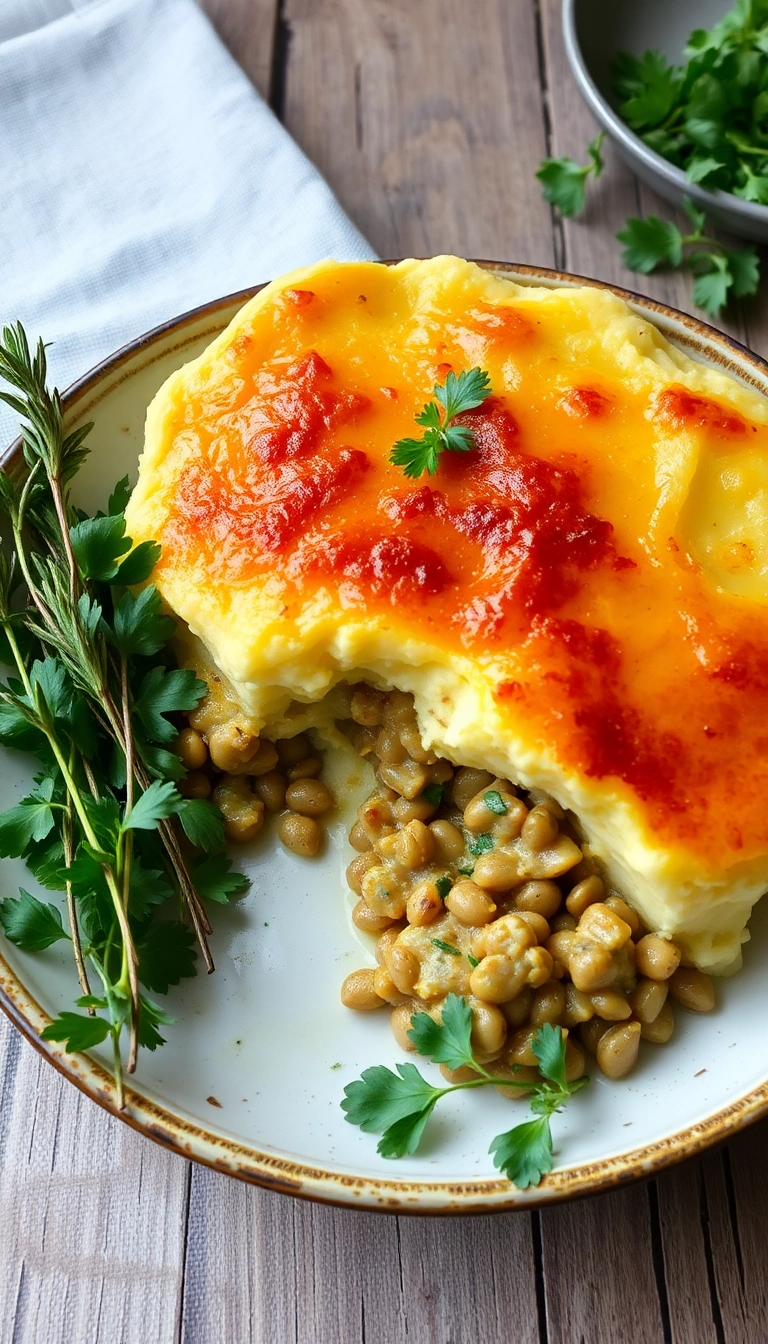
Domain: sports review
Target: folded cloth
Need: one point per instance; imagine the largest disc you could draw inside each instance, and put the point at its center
(142, 175)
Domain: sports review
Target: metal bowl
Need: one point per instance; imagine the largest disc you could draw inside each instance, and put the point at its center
(594, 31)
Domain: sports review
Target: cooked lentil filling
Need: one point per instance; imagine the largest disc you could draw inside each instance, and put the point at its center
(469, 885)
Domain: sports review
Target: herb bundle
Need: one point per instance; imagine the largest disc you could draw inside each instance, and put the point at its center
(92, 698)
(398, 1105)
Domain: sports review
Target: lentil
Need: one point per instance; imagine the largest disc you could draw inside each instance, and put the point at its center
(301, 835)
(358, 992)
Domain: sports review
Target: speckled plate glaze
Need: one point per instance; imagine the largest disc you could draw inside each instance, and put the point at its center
(253, 1073)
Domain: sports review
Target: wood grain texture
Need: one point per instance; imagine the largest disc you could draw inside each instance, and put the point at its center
(263, 1269)
(614, 1294)
(92, 1216)
(435, 123)
(249, 29)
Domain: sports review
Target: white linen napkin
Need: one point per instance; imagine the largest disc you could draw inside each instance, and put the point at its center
(141, 175)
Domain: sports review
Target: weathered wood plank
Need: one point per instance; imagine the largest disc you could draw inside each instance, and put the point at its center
(92, 1215)
(737, 1199)
(272, 1270)
(248, 28)
(613, 1293)
(298, 1273)
(468, 1278)
(686, 1248)
(434, 125)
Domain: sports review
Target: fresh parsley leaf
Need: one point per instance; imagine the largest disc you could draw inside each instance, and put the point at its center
(744, 267)
(139, 627)
(461, 393)
(445, 947)
(160, 800)
(400, 1104)
(79, 1033)
(466, 869)
(495, 803)
(443, 885)
(216, 880)
(98, 544)
(29, 923)
(16, 730)
(480, 844)
(650, 87)
(710, 290)
(649, 243)
(447, 1041)
(473, 961)
(380, 1099)
(45, 860)
(118, 500)
(163, 692)
(416, 456)
(563, 181)
(49, 678)
(31, 820)
(148, 887)
(404, 1136)
(548, 1046)
(754, 186)
(705, 170)
(433, 794)
(203, 823)
(160, 763)
(94, 903)
(150, 1018)
(524, 1153)
(166, 955)
(137, 567)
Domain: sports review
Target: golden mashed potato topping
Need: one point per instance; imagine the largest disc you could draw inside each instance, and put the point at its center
(579, 603)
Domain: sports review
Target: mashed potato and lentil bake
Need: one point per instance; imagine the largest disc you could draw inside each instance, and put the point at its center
(552, 646)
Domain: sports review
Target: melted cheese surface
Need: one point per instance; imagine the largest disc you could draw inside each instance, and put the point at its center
(580, 603)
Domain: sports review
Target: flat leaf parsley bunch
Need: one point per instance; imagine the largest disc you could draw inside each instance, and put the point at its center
(92, 698)
(710, 118)
(398, 1105)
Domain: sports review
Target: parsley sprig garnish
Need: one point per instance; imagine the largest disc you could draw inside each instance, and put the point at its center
(398, 1105)
(91, 700)
(721, 272)
(463, 393)
(563, 181)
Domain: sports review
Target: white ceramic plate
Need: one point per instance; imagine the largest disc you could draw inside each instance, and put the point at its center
(254, 1069)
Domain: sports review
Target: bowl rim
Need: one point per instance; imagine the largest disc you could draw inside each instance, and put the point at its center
(224, 1153)
(618, 129)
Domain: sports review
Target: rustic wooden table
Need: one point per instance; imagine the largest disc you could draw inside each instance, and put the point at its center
(428, 117)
